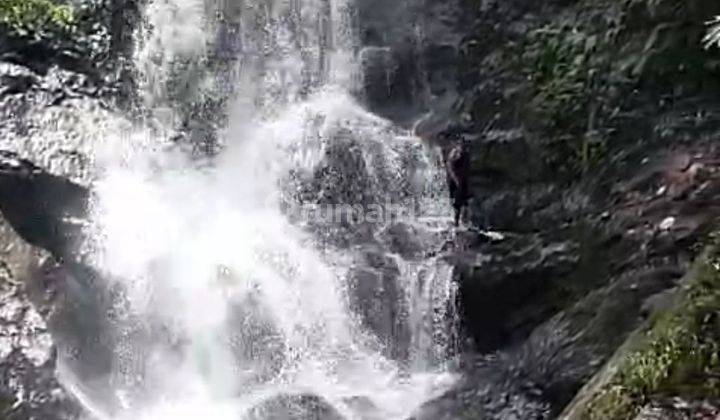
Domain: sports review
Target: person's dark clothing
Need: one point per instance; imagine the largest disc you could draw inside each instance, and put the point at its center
(457, 168)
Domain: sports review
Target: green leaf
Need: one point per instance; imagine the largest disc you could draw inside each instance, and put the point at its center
(34, 17)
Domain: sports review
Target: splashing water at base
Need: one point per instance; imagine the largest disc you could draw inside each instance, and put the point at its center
(228, 309)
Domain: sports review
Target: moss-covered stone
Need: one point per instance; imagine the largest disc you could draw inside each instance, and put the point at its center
(678, 356)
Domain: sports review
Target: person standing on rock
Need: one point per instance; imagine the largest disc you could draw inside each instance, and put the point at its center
(455, 157)
(456, 160)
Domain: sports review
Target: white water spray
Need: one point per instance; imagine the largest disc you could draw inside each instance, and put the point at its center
(226, 305)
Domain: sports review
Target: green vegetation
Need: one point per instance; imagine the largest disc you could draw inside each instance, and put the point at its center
(581, 68)
(72, 35)
(36, 18)
(564, 69)
(712, 38)
(560, 71)
(680, 356)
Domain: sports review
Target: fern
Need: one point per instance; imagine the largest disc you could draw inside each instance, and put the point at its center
(712, 38)
(36, 18)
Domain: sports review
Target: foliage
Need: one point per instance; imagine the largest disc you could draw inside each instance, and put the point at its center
(712, 38)
(75, 36)
(36, 18)
(564, 71)
(560, 71)
(582, 66)
(681, 355)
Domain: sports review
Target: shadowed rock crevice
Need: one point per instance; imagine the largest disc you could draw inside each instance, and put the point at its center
(61, 307)
(46, 210)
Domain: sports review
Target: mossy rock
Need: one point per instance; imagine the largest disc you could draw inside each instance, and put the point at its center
(678, 355)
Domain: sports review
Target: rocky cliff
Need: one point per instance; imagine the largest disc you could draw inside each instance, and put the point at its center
(595, 155)
(61, 70)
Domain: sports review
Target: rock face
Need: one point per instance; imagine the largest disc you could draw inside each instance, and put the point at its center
(52, 310)
(57, 87)
(411, 54)
(508, 288)
(50, 94)
(673, 357)
(376, 296)
(48, 118)
(28, 387)
(294, 407)
(588, 160)
(44, 209)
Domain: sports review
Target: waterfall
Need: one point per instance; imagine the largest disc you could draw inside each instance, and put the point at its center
(297, 269)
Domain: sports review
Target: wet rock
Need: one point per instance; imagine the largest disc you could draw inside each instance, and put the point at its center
(16, 81)
(510, 287)
(527, 208)
(440, 62)
(294, 407)
(79, 312)
(359, 186)
(259, 348)
(28, 388)
(496, 154)
(422, 38)
(563, 353)
(537, 377)
(46, 210)
(505, 398)
(409, 241)
(364, 407)
(499, 211)
(42, 225)
(55, 119)
(379, 69)
(378, 299)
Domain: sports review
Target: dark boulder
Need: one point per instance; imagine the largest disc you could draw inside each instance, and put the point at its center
(46, 210)
(294, 407)
(508, 288)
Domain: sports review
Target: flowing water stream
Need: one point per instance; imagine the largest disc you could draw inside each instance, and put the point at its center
(295, 273)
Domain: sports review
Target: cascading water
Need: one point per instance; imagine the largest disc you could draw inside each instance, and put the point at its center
(296, 275)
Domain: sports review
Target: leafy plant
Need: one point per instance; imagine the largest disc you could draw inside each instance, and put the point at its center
(36, 18)
(560, 72)
(712, 38)
(564, 67)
